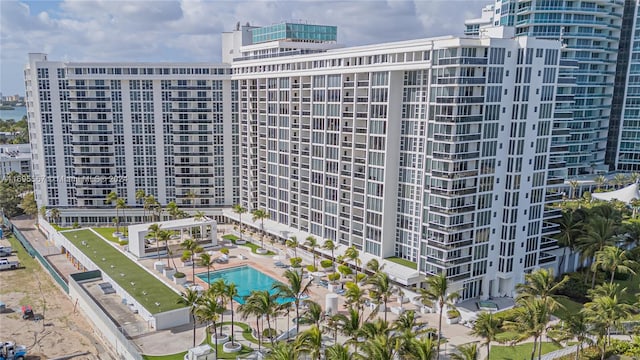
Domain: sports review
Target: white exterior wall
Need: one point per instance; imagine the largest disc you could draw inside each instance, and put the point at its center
(175, 318)
(294, 111)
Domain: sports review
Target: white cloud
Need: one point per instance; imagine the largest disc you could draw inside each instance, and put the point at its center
(189, 30)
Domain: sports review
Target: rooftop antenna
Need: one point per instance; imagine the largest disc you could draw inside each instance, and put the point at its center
(238, 26)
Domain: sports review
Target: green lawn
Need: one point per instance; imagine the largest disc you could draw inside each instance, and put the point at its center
(403, 262)
(519, 352)
(129, 275)
(221, 354)
(26, 261)
(59, 228)
(570, 307)
(107, 233)
(250, 245)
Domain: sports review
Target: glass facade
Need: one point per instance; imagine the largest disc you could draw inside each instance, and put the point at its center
(295, 32)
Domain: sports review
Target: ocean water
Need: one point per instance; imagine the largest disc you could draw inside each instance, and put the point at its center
(16, 114)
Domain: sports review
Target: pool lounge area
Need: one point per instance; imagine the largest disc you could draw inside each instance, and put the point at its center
(246, 279)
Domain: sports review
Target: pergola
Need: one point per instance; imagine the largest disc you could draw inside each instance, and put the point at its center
(138, 232)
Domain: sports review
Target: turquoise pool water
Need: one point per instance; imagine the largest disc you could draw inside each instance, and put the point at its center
(246, 279)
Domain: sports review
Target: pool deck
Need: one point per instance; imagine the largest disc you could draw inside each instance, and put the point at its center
(241, 255)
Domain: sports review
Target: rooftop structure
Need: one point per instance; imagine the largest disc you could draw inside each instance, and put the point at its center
(295, 32)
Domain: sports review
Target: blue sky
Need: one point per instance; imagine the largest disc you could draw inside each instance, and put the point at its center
(189, 30)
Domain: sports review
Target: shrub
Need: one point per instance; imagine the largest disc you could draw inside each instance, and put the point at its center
(186, 256)
(224, 251)
(575, 288)
(507, 315)
(76, 225)
(360, 277)
(295, 262)
(123, 242)
(334, 277)
(453, 313)
(311, 268)
(269, 333)
(326, 263)
(179, 275)
(345, 270)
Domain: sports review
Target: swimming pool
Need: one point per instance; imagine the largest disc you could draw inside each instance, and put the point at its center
(246, 279)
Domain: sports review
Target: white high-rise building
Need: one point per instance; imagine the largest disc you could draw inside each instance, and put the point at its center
(435, 150)
(590, 31)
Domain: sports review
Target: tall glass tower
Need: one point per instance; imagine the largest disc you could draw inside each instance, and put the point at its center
(590, 31)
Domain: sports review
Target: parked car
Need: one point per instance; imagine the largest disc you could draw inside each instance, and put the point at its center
(10, 351)
(5, 250)
(5, 264)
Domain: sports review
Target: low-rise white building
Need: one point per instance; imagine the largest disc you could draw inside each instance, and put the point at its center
(15, 158)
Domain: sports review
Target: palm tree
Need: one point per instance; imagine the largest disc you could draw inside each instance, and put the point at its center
(191, 195)
(250, 308)
(192, 247)
(218, 290)
(111, 198)
(604, 313)
(466, 352)
(313, 314)
(208, 261)
(422, 349)
(55, 215)
(620, 180)
(293, 244)
(600, 233)
(576, 326)
(154, 229)
(149, 204)
(283, 351)
(121, 204)
(573, 184)
(530, 320)
(231, 293)
(571, 229)
(353, 254)
(355, 297)
(600, 182)
(331, 246)
(437, 292)
(259, 214)
(164, 236)
(380, 347)
(373, 265)
(238, 209)
(261, 304)
(140, 195)
(337, 352)
(408, 328)
(310, 342)
(190, 299)
(635, 204)
(349, 326)
(613, 259)
(486, 327)
(541, 284)
(209, 310)
(295, 289)
(312, 243)
(173, 210)
(381, 290)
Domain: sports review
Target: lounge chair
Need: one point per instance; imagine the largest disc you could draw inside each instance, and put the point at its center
(280, 264)
(340, 291)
